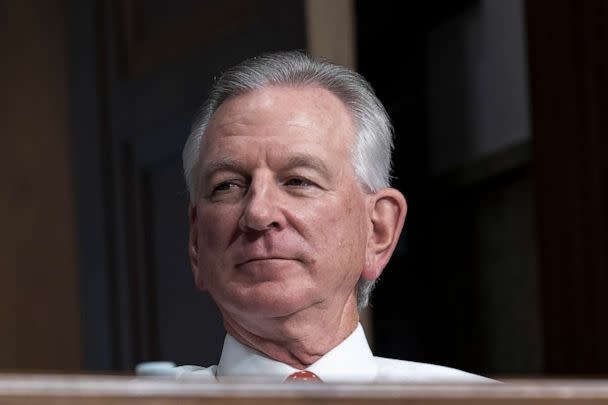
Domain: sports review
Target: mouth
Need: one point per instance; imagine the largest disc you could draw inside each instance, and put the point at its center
(263, 260)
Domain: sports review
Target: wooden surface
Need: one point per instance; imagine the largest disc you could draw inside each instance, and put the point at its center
(74, 389)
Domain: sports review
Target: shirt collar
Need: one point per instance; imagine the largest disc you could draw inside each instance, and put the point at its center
(350, 361)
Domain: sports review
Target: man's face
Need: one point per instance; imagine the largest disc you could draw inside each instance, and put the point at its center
(280, 224)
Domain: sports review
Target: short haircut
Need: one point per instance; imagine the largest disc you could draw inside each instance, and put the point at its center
(372, 149)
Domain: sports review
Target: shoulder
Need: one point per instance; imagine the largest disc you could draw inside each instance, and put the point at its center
(393, 370)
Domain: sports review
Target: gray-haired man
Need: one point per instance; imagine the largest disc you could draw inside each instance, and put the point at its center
(292, 219)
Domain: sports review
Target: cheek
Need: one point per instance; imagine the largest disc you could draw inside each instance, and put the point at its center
(216, 225)
(215, 228)
(339, 231)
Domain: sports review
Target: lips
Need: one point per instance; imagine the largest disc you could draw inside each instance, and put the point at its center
(267, 250)
(262, 259)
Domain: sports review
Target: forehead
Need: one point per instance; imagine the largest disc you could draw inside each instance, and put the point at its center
(283, 114)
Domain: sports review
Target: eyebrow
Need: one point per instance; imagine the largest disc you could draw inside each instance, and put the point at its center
(299, 160)
(224, 164)
(307, 161)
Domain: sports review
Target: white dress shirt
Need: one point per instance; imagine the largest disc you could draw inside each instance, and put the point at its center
(351, 361)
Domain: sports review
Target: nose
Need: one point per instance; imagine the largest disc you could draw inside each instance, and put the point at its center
(261, 211)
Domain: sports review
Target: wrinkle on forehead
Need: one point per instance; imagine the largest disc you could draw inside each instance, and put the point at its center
(322, 109)
(270, 119)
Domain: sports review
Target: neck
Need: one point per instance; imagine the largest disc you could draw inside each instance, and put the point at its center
(297, 340)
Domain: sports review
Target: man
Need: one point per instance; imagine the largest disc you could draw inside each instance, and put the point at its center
(292, 220)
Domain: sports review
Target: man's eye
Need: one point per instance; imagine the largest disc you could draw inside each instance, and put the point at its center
(225, 186)
(298, 182)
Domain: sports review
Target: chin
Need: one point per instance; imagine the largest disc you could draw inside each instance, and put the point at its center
(267, 303)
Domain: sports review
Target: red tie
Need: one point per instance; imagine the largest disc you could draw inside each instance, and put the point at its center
(303, 376)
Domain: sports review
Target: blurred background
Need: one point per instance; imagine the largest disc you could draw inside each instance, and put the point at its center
(499, 109)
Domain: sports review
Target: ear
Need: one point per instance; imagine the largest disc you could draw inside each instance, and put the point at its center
(387, 214)
(193, 248)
